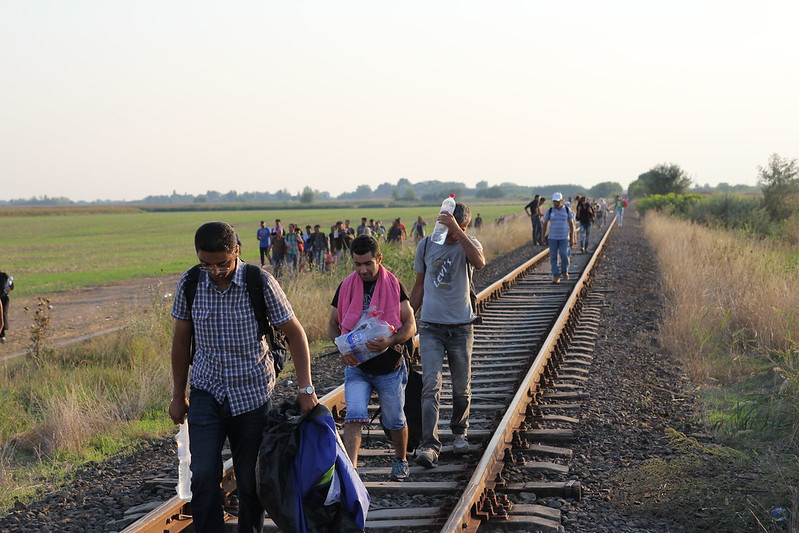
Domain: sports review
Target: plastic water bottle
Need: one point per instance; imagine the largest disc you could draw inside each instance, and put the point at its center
(184, 463)
(440, 231)
(355, 341)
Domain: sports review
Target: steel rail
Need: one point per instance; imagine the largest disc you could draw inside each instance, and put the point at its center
(464, 517)
(175, 514)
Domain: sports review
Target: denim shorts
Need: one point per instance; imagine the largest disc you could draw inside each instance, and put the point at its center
(358, 386)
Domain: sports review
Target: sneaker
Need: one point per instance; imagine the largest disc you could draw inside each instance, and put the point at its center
(427, 458)
(2, 340)
(461, 444)
(566, 276)
(399, 470)
(556, 280)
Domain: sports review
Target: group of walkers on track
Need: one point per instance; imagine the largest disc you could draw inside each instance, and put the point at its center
(556, 226)
(293, 249)
(223, 372)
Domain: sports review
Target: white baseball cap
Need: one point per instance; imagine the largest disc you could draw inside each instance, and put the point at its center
(557, 197)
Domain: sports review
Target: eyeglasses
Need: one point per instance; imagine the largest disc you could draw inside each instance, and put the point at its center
(217, 268)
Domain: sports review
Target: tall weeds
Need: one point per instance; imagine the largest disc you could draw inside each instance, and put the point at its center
(726, 292)
(732, 321)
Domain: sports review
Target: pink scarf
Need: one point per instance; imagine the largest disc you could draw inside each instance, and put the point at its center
(385, 297)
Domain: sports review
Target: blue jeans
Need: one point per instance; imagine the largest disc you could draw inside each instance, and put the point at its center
(390, 389)
(559, 247)
(619, 216)
(456, 343)
(209, 423)
(585, 231)
(319, 259)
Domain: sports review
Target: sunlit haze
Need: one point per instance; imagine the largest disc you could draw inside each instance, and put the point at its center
(120, 100)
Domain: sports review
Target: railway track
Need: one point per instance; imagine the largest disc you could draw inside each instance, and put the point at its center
(531, 354)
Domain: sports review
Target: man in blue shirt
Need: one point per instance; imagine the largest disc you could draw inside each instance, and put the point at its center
(264, 240)
(232, 374)
(559, 220)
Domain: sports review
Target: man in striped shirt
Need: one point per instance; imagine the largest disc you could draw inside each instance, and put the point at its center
(232, 374)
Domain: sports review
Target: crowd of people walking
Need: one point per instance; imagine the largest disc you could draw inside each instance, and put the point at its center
(223, 373)
(293, 249)
(561, 226)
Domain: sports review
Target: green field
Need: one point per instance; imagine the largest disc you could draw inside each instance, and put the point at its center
(59, 252)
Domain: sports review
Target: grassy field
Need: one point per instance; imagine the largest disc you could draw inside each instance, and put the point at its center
(47, 253)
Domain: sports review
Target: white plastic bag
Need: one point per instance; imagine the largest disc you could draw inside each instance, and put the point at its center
(371, 326)
(184, 462)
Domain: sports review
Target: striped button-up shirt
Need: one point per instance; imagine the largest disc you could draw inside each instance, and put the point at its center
(231, 361)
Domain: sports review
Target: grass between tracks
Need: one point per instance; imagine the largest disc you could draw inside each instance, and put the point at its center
(732, 323)
(87, 402)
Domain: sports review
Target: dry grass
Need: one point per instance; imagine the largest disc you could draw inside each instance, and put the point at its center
(732, 322)
(723, 290)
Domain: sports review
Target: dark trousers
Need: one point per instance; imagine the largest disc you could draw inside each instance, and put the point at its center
(209, 423)
(263, 255)
(4, 300)
(537, 230)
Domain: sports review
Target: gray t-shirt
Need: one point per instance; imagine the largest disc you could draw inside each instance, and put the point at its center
(446, 282)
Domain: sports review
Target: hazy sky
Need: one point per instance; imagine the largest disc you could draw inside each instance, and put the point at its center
(118, 100)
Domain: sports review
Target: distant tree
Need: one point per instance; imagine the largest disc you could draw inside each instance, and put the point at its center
(307, 196)
(664, 178)
(363, 192)
(491, 192)
(636, 189)
(780, 186)
(605, 189)
(481, 185)
(409, 195)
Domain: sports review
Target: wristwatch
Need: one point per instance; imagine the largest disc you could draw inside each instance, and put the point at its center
(307, 390)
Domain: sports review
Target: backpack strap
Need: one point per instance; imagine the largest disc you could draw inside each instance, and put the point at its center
(190, 287)
(275, 338)
(189, 292)
(255, 289)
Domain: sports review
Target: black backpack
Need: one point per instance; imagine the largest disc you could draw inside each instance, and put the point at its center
(413, 398)
(585, 214)
(278, 343)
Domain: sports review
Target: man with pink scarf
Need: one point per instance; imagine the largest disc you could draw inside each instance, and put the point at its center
(372, 287)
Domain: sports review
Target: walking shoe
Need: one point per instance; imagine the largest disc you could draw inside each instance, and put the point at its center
(427, 458)
(461, 444)
(566, 276)
(556, 280)
(399, 470)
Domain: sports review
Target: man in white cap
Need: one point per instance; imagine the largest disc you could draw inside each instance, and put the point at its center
(559, 220)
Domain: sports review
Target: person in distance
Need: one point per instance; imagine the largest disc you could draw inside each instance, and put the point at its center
(559, 221)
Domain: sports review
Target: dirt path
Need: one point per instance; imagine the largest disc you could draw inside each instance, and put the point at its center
(82, 313)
